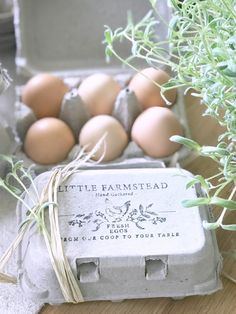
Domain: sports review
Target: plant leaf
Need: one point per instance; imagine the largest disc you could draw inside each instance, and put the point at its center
(207, 150)
(186, 142)
(191, 183)
(17, 166)
(108, 35)
(223, 202)
(108, 52)
(198, 179)
(203, 182)
(14, 189)
(229, 227)
(196, 202)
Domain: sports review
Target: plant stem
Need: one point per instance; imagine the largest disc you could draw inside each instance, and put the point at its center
(220, 219)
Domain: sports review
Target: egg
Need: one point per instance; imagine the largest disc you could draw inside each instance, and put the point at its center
(152, 130)
(114, 143)
(147, 92)
(43, 93)
(48, 141)
(99, 92)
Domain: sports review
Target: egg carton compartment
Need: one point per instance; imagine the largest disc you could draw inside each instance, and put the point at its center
(74, 113)
(8, 144)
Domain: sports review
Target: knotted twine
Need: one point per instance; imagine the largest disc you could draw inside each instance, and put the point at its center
(48, 199)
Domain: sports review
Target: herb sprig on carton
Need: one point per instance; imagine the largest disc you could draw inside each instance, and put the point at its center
(202, 57)
(42, 207)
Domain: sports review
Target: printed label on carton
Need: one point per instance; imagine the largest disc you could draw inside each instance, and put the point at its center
(124, 212)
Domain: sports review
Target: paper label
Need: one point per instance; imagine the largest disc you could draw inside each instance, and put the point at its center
(135, 212)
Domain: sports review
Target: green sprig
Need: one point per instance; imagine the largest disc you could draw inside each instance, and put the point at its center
(202, 56)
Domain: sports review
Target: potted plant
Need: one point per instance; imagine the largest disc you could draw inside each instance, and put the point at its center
(202, 58)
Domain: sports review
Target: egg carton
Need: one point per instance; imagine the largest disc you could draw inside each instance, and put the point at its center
(126, 235)
(74, 113)
(72, 55)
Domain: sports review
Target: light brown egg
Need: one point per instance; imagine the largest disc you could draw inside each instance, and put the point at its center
(152, 130)
(147, 92)
(115, 141)
(43, 93)
(48, 141)
(99, 92)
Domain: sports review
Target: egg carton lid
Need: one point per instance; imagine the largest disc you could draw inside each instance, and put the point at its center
(110, 248)
(65, 37)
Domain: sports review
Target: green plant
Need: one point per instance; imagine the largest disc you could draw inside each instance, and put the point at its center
(202, 57)
(41, 205)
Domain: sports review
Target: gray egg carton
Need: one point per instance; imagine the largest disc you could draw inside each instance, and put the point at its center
(46, 49)
(126, 235)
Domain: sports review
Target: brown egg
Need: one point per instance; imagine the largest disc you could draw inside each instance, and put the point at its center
(152, 130)
(147, 92)
(48, 141)
(115, 141)
(43, 94)
(99, 92)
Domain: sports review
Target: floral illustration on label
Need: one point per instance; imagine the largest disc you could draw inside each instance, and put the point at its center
(116, 214)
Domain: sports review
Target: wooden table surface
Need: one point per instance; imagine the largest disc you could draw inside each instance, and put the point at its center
(205, 131)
